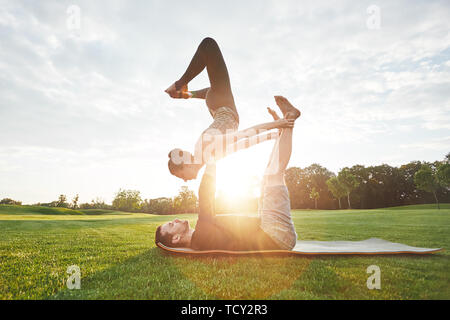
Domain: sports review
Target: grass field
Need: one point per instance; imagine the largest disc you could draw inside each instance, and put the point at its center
(118, 258)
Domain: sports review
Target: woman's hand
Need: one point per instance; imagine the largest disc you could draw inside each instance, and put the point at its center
(283, 123)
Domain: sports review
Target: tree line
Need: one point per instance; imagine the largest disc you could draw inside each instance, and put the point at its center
(313, 187)
(127, 200)
(369, 187)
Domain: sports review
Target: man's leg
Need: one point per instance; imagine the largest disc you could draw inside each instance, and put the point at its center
(208, 55)
(281, 153)
(275, 209)
(274, 174)
(279, 159)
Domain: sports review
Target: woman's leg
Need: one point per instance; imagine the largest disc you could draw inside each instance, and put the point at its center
(208, 55)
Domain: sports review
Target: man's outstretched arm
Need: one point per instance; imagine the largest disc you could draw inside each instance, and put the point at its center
(207, 192)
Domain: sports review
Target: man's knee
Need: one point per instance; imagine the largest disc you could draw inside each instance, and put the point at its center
(274, 179)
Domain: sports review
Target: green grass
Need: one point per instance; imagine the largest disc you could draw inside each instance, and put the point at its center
(118, 258)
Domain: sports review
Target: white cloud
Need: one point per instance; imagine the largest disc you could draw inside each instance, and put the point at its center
(91, 103)
(432, 144)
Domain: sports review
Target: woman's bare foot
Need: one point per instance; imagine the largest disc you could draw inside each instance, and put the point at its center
(273, 113)
(288, 110)
(183, 94)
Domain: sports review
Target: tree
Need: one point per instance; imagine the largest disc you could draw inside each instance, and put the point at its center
(301, 181)
(158, 206)
(348, 182)
(297, 184)
(362, 193)
(185, 201)
(426, 180)
(314, 195)
(317, 177)
(336, 189)
(10, 201)
(409, 193)
(127, 200)
(97, 203)
(443, 175)
(62, 201)
(75, 201)
(386, 185)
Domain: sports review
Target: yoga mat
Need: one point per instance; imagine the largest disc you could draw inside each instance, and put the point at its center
(370, 246)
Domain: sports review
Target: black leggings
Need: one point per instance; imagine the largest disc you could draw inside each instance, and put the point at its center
(209, 55)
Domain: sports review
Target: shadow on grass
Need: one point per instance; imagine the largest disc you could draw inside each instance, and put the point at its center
(156, 274)
(148, 275)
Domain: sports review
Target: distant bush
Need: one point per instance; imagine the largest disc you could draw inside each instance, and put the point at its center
(158, 206)
(52, 204)
(96, 204)
(10, 201)
(127, 200)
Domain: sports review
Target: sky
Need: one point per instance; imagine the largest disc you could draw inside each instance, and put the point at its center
(83, 109)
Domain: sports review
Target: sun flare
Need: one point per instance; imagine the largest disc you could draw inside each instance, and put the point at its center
(239, 175)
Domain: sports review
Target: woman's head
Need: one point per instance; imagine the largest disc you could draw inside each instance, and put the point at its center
(181, 164)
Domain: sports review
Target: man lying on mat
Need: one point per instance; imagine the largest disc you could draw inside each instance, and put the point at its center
(272, 229)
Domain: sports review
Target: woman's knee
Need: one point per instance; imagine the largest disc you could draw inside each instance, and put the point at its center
(209, 44)
(208, 41)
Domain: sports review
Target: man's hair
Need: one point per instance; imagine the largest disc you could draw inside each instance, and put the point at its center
(165, 239)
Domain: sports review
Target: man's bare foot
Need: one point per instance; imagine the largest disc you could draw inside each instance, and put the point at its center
(273, 113)
(288, 110)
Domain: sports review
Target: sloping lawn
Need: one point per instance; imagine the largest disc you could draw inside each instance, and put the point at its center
(118, 258)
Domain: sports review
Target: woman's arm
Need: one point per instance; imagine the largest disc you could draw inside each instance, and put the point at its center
(213, 146)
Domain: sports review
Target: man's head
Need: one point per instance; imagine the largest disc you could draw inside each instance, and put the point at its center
(176, 233)
(181, 164)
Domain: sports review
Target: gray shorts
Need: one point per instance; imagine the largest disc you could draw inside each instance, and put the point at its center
(225, 120)
(275, 213)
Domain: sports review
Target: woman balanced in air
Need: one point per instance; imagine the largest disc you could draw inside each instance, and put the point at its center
(220, 102)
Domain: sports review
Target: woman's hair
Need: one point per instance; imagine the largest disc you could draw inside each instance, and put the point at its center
(180, 156)
(173, 167)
